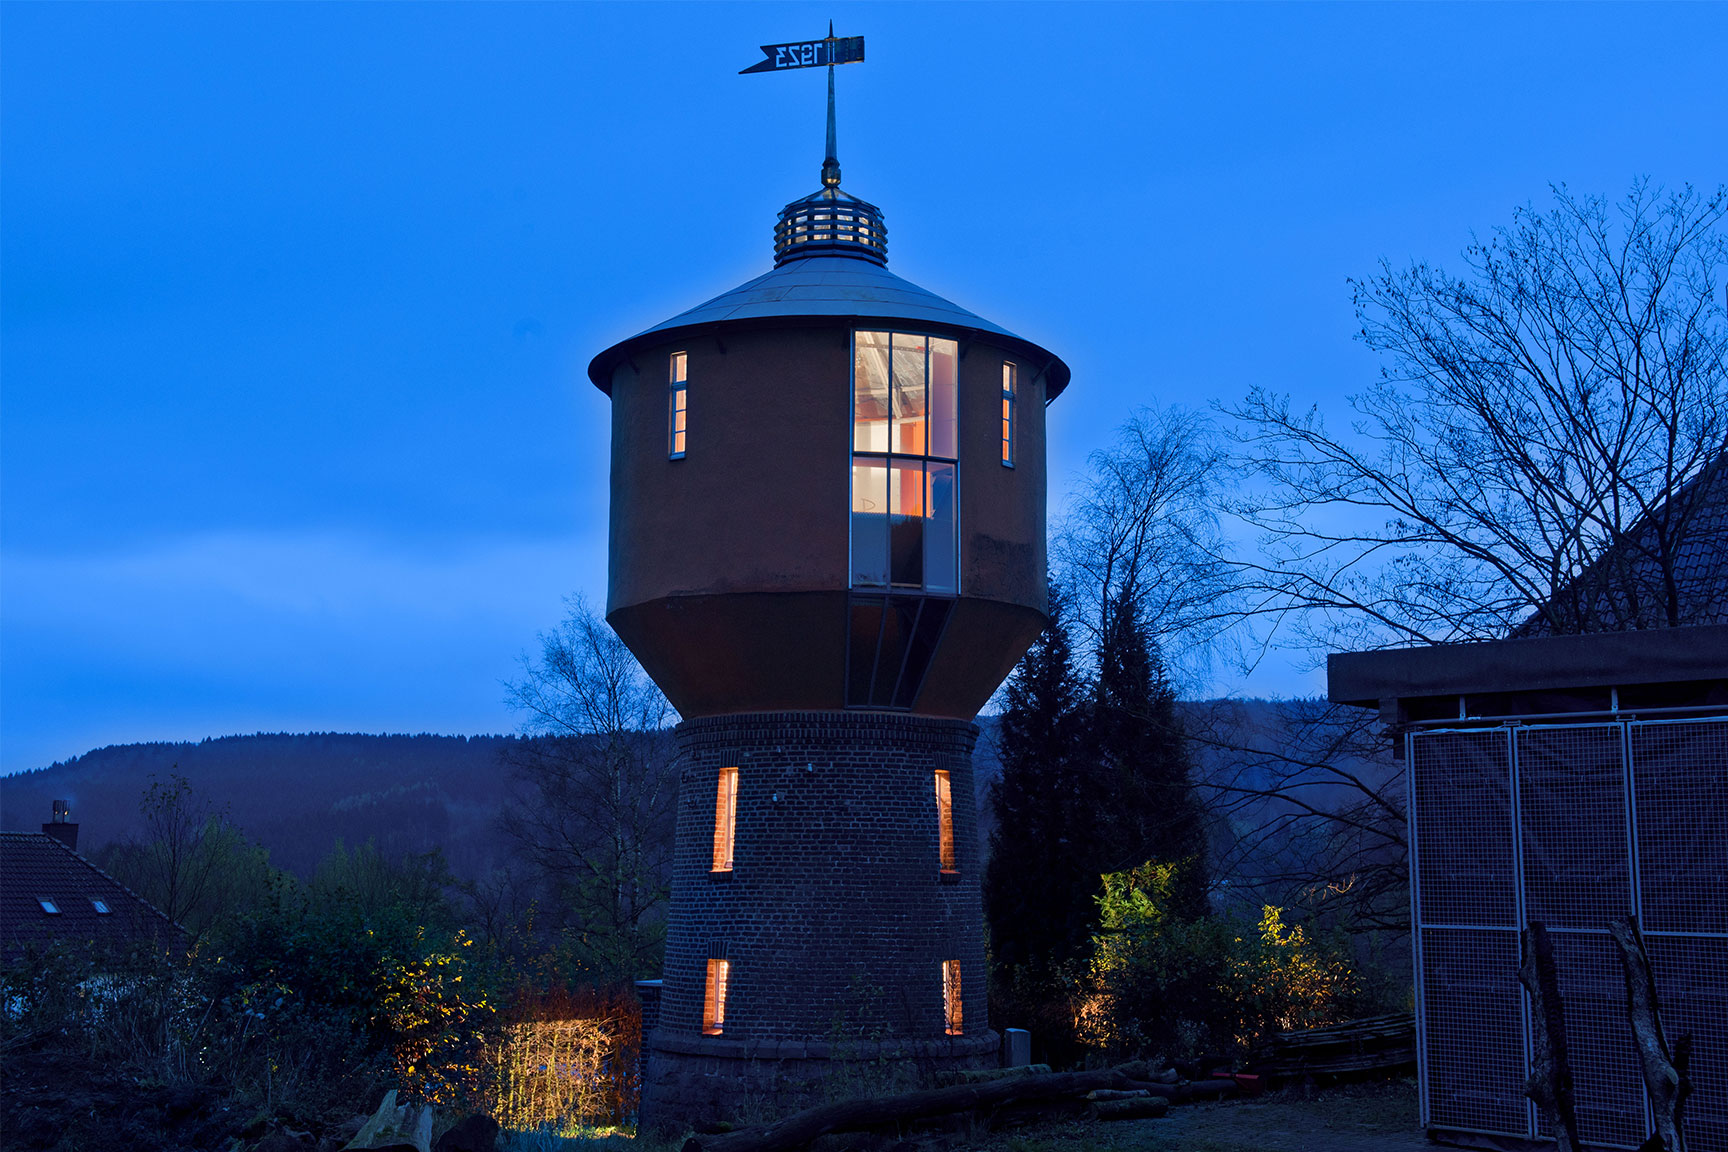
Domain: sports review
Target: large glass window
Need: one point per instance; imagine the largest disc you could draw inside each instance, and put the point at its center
(905, 445)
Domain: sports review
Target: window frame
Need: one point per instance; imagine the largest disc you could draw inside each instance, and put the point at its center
(718, 973)
(888, 457)
(725, 821)
(1010, 409)
(677, 405)
(953, 1011)
(947, 860)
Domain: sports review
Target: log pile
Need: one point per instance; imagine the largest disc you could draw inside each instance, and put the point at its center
(1375, 1044)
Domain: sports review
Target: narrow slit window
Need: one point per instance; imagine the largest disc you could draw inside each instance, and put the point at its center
(950, 995)
(1010, 385)
(725, 819)
(714, 998)
(945, 819)
(677, 404)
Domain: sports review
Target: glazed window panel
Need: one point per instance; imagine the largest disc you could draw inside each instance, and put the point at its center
(911, 372)
(677, 404)
(871, 406)
(944, 398)
(725, 819)
(714, 998)
(1010, 390)
(941, 567)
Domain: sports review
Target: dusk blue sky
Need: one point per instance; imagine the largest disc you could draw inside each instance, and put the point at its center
(297, 299)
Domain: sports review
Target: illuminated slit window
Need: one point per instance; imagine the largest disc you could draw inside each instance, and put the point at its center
(725, 819)
(677, 405)
(714, 998)
(945, 819)
(951, 996)
(1010, 385)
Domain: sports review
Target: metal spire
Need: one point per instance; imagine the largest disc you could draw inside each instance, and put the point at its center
(831, 162)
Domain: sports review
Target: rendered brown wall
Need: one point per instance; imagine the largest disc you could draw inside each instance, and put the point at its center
(729, 566)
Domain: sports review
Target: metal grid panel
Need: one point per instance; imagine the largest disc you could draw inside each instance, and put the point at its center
(1680, 782)
(1473, 1009)
(1610, 1090)
(1572, 807)
(1692, 981)
(1463, 819)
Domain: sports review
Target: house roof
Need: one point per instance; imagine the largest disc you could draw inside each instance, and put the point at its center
(35, 867)
(1625, 588)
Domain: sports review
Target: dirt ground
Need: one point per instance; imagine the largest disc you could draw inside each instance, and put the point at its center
(1347, 1118)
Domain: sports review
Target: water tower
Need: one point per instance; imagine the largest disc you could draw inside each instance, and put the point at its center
(828, 549)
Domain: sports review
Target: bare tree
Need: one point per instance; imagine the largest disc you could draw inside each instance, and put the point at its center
(1142, 528)
(1519, 454)
(1308, 810)
(597, 811)
(192, 864)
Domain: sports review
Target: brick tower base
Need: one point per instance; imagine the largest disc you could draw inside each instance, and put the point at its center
(835, 920)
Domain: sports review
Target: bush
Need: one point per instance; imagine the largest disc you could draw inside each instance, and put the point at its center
(1165, 986)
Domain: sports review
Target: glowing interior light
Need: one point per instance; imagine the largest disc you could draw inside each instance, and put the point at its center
(945, 819)
(950, 995)
(677, 403)
(725, 819)
(714, 998)
(1010, 383)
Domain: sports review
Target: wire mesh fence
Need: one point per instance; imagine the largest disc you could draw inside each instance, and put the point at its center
(1570, 825)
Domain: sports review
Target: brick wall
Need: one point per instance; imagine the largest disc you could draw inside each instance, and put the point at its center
(835, 917)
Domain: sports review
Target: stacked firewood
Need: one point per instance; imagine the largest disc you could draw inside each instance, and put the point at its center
(1375, 1044)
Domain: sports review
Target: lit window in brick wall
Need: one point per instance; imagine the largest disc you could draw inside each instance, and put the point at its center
(945, 819)
(725, 819)
(950, 994)
(714, 998)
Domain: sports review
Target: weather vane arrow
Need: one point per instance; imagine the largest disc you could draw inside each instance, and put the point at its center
(827, 52)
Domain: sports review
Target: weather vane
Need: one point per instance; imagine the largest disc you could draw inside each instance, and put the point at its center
(829, 51)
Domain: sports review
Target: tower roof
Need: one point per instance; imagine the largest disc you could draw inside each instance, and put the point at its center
(814, 289)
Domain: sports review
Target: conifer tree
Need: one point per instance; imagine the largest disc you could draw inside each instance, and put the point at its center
(1039, 884)
(1146, 810)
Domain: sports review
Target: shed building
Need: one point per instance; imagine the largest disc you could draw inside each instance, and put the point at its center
(1566, 780)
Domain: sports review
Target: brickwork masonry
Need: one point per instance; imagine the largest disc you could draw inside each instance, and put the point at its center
(835, 918)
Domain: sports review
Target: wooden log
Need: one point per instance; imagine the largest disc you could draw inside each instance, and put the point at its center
(1665, 1077)
(1143, 1108)
(799, 1129)
(1550, 1083)
(951, 1077)
(1117, 1094)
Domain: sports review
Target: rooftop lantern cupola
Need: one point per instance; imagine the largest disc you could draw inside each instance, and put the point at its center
(830, 222)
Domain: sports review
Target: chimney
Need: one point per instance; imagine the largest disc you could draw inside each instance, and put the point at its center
(62, 829)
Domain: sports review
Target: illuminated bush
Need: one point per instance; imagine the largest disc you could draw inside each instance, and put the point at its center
(1161, 985)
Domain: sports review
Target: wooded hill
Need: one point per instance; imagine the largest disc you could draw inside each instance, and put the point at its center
(296, 794)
